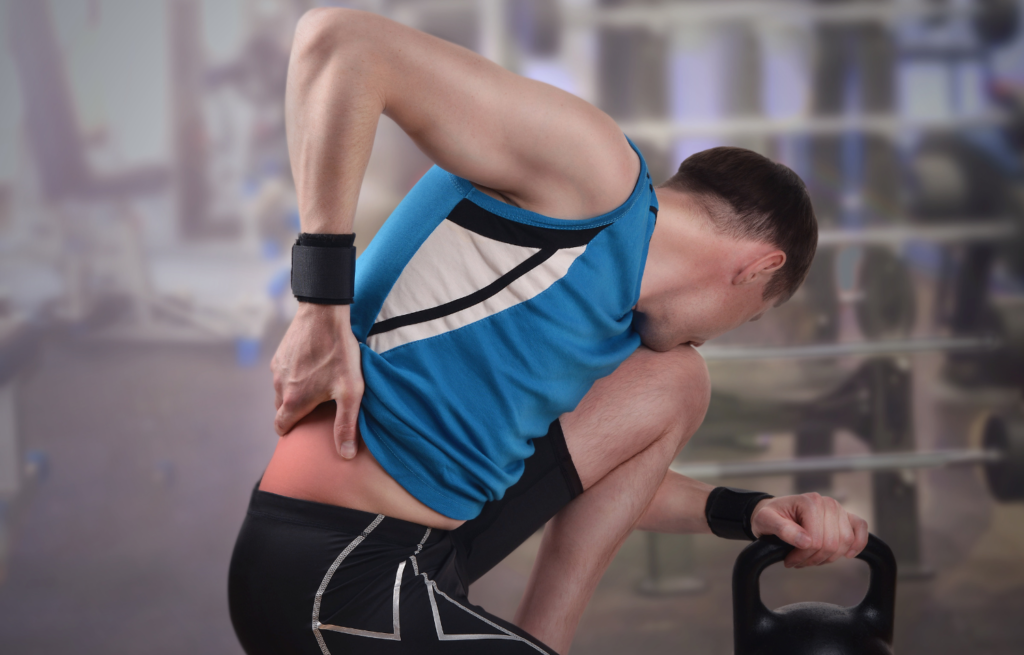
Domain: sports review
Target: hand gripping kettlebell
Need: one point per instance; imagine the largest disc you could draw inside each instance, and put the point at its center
(812, 628)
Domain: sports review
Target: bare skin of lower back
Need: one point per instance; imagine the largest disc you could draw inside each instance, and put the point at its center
(307, 466)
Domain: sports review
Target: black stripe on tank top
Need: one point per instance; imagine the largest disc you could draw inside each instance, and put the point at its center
(464, 302)
(475, 218)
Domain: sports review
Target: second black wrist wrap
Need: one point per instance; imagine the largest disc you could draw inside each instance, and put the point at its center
(728, 512)
(324, 268)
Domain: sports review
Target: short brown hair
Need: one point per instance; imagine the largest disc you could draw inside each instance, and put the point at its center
(748, 196)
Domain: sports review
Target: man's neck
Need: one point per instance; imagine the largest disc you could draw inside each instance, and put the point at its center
(698, 281)
(685, 251)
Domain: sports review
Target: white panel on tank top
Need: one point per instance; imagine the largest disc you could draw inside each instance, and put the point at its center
(453, 263)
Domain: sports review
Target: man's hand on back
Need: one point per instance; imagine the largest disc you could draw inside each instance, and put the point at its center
(318, 361)
(818, 526)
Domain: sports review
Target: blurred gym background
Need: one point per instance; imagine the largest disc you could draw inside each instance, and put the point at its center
(146, 211)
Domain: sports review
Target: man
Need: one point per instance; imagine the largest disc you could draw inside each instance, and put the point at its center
(490, 374)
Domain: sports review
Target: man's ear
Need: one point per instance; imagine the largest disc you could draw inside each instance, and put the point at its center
(760, 268)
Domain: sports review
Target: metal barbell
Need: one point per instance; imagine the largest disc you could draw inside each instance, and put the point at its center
(862, 348)
(1001, 454)
(949, 232)
(673, 15)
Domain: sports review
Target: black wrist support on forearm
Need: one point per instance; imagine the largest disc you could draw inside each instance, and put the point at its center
(324, 268)
(728, 512)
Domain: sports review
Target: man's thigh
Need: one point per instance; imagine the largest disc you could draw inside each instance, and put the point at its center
(651, 396)
(548, 483)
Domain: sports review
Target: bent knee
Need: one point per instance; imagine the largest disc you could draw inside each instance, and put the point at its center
(685, 374)
(681, 380)
(688, 375)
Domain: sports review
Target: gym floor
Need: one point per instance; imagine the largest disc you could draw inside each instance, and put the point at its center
(124, 545)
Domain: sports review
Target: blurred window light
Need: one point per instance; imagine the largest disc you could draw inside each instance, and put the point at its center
(687, 146)
(549, 71)
(116, 57)
(579, 57)
(785, 86)
(970, 95)
(696, 70)
(223, 29)
(924, 91)
(10, 112)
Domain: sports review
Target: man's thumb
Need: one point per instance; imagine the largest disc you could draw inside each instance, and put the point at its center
(784, 528)
(345, 433)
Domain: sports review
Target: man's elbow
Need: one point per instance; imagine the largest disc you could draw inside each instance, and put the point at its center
(326, 32)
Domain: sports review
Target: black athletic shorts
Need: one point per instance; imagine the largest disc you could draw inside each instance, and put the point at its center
(320, 579)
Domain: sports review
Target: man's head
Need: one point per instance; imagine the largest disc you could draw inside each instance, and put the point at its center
(736, 235)
(748, 196)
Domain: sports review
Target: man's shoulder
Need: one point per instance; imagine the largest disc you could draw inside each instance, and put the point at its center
(593, 179)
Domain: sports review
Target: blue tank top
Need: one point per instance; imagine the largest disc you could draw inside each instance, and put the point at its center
(480, 323)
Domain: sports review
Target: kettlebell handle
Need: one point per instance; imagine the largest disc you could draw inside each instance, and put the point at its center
(877, 607)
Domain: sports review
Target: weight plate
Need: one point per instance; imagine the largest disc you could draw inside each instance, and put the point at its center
(1005, 477)
(820, 319)
(996, 21)
(889, 306)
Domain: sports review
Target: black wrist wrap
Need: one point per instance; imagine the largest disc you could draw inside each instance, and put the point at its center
(324, 268)
(728, 512)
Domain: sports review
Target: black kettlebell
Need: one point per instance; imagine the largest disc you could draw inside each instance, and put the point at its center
(812, 628)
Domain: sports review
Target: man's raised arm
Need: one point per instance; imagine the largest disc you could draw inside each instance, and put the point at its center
(541, 148)
(531, 141)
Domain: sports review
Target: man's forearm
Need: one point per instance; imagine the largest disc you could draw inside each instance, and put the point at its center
(331, 115)
(677, 507)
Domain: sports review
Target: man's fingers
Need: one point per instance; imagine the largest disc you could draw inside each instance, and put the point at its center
(283, 421)
(811, 517)
(289, 413)
(345, 421)
(784, 528)
(819, 528)
(278, 399)
(278, 382)
(831, 515)
(846, 537)
(860, 531)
